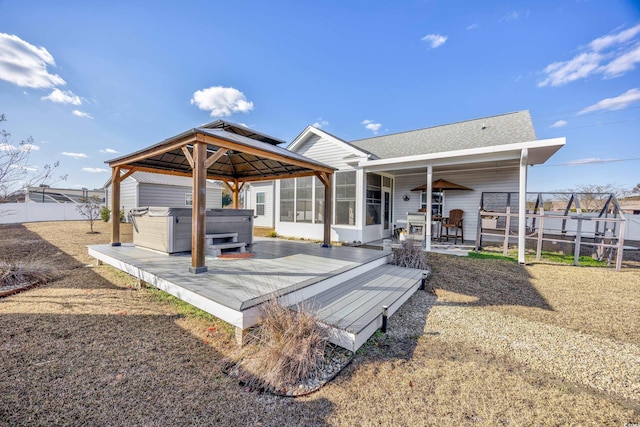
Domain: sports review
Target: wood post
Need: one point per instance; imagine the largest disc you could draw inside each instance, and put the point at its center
(540, 235)
(198, 218)
(115, 206)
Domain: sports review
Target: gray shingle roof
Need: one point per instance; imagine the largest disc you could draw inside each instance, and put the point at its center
(484, 132)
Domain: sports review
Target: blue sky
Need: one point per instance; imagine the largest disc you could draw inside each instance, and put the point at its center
(90, 81)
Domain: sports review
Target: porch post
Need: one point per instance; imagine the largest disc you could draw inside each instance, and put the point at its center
(427, 239)
(198, 218)
(522, 205)
(115, 206)
(328, 209)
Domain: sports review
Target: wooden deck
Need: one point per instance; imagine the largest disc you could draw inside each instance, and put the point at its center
(346, 286)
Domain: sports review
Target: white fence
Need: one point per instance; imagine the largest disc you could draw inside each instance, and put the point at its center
(12, 213)
(632, 231)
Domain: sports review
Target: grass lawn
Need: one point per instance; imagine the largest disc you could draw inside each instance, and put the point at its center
(499, 344)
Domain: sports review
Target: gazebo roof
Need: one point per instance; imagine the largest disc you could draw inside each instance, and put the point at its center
(235, 153)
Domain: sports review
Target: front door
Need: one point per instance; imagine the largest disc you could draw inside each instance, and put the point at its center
(386, 213)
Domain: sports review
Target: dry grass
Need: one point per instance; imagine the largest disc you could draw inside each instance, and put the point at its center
(287, 347)
(409, 255)
(31, 270)
(88, 349)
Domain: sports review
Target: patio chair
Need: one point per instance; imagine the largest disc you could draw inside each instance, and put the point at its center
(452, 225)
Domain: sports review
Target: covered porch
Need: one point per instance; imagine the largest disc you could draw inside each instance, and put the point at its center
(477, 170)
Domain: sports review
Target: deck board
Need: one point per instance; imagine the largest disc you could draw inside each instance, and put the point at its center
(354, 305)
(278, 267)
(344, 287)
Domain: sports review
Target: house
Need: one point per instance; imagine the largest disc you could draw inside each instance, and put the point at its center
(47, 194)
(154, 189)
(375, 184)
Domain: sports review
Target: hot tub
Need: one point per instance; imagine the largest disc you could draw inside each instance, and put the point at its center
(168, 229)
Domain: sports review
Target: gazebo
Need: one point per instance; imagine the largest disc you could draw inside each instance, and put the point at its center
(224, 151)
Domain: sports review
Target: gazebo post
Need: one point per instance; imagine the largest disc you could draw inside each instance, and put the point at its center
(115, 206)
(198, 213)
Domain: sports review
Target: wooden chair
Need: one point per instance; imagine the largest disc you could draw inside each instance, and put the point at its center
(451, 225)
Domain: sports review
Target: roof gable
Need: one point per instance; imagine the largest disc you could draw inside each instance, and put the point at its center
(312, 131)
(478, 133)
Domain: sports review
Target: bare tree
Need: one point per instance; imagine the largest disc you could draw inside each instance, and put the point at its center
(89, 208)
(16, 173)
(592, 197)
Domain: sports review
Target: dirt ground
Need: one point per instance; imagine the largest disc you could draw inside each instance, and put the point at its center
(499, 344)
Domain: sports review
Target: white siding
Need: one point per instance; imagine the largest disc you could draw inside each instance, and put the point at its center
(330, 153)
(468, 201)
(266, 220)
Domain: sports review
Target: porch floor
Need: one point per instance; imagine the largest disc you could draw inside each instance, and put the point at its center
(449, 248)
(233, 289)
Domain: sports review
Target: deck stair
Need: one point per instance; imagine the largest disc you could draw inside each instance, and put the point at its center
(353, 309)
(218, 242)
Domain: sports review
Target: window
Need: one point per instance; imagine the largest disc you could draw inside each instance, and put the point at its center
(346, 198)
(304, 199)
(374, 199)
(319, 198)
(287, 198)
(437, 200)
(260, 203)
(188, 199)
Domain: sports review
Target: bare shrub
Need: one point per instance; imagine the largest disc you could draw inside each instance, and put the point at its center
(410, 255)
(28, 271)
(287, 347)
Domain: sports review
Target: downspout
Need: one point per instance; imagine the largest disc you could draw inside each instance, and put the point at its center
(522, 205)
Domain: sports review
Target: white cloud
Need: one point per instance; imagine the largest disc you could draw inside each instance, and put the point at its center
(62, 97)
(94, 170)
(607, 41)
(616, 103)
(581, 66)
(320, 123)
(373, 127)
(514, 16)
(559, 124)
(434, 40)
(7, 147)
(29, 147)
(589, 161)
(623, 63)
(611, 56)
(82, 114)
(221, 101)
(25, 65)
(26, 168)
(472, 27)
(109, 151)
(75, 155)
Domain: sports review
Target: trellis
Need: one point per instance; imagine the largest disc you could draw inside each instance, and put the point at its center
(592, 220)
